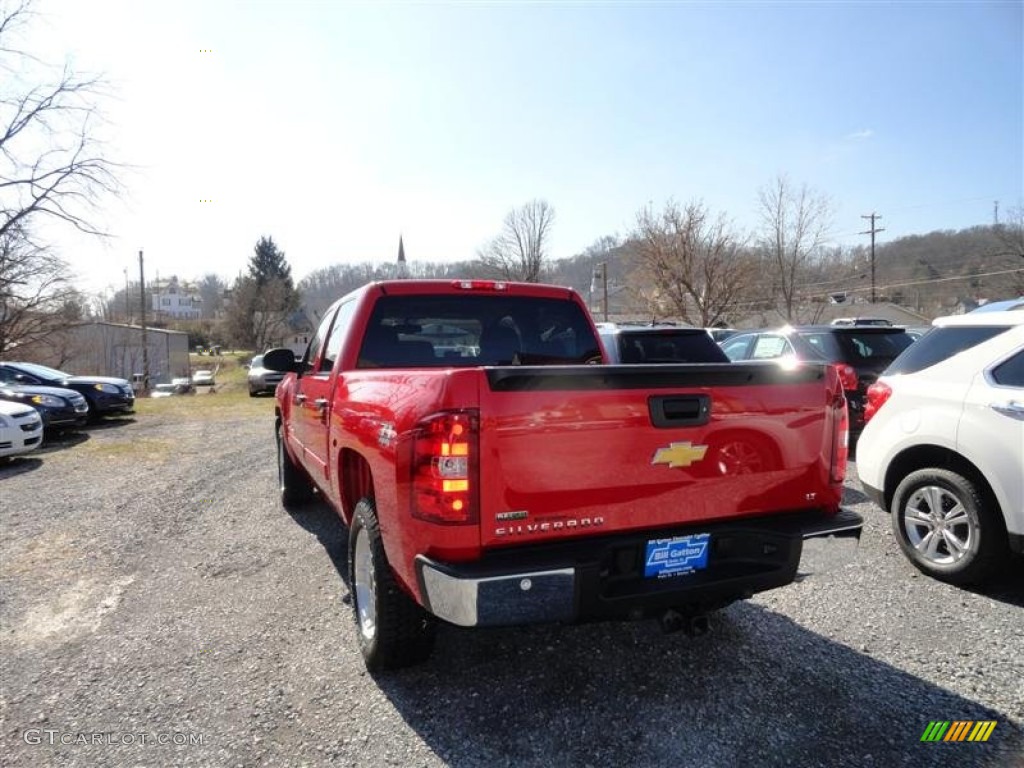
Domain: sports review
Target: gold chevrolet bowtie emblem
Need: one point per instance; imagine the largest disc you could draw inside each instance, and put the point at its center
(679, 454)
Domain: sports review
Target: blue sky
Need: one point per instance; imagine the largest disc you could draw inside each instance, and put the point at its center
(334, 127)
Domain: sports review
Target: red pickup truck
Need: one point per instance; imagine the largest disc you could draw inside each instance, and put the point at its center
(492, 470)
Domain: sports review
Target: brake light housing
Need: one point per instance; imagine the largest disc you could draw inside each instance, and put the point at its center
(878, 395)
(445, 468)
(840, 440)
(480, 285)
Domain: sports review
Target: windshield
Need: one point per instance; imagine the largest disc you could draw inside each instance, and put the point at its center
(43, 372)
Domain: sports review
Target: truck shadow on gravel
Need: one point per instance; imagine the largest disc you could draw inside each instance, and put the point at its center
(320, 519)
(760, 689)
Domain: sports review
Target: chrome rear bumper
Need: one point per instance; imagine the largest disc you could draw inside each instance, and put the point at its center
(571, 587)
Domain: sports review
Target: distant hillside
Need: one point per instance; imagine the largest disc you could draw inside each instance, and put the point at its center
(928, 274)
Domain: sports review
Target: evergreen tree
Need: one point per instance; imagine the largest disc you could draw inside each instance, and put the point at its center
(268, 264)
(263, 302)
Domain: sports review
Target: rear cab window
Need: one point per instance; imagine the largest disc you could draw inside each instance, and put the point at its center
(940, 344)
(462, 331)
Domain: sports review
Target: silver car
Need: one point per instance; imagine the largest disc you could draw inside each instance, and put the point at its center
(262, 380)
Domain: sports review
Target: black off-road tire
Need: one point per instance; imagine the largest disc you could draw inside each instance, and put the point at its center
(393, 631)
(972, 518)
(295, 487)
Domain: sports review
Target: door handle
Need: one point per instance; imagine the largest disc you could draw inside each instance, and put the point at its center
(300, 398)
(1012, 408)
(320, 402)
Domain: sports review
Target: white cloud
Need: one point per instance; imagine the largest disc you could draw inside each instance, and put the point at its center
(861, 135)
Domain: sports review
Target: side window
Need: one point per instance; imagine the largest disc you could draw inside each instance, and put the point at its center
(941, 344)
(736, 349)
(313, 350)
(1010, 373)
(770, 347)
(338, 332)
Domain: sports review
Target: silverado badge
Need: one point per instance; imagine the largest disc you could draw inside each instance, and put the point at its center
(679, 454)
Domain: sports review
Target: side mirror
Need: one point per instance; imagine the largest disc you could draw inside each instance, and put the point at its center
(280, 359)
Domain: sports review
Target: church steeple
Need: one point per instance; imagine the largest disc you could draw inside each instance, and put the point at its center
(403, 270)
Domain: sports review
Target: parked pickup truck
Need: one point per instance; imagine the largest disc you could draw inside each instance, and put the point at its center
(489, 475)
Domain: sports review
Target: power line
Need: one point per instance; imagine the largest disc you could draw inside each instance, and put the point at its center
(804, 294)
(943, 279)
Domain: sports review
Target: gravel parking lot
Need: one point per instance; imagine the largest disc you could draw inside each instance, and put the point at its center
(158, 607)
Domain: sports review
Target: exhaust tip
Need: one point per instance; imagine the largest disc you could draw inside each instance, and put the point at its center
(698, 625)
(671, 621)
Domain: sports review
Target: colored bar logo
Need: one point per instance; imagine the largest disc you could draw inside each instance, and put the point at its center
(958, 730)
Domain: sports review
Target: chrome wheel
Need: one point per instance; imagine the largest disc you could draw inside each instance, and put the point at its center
(937, 525)
(365, 585)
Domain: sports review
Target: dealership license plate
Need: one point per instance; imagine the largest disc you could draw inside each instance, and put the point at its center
(677, 556)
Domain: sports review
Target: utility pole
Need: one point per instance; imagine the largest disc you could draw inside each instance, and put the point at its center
(602, 267)
(872, 232)
(604, 280)
(995, 214)
(145, 342)
(127, 310)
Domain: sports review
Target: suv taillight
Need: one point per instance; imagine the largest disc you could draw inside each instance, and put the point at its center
(878, 393)
(445, 449)
(840, 440)
(847, 376)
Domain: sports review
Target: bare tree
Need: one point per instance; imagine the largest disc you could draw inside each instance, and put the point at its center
(259, 315)
(518, 252)
(688, 264)
(35, 291)
(794, 225)
(1011, 238)
(51, 168)
(211, 291)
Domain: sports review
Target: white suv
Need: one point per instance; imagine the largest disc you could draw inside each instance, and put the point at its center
(943, 449)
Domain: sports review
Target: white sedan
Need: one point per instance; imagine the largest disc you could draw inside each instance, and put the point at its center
(21, 429)
(943, 449)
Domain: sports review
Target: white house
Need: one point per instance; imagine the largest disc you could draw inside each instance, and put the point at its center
(174, 300)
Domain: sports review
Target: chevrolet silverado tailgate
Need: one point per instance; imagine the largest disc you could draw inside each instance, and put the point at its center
(585, 450)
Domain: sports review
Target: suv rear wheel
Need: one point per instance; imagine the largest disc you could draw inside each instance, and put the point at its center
(947, 527)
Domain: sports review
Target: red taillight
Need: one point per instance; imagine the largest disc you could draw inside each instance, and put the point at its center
(840, 440)
(480, 285)
(878, 394)
(847, 376)
(444, 468)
